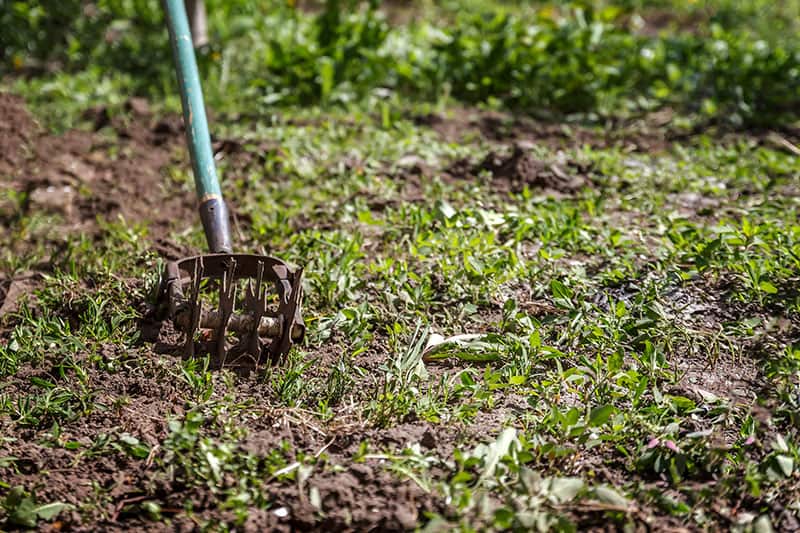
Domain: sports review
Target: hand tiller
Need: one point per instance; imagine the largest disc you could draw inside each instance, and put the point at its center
(266, 290)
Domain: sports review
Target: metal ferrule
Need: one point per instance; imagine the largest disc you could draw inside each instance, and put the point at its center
(214, 215)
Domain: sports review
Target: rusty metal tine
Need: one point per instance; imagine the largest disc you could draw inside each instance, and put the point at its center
(195, 308)
(297, 296)
(261, 289)
(261, 278)
(258, 310)
(249, 296)
(227, 298)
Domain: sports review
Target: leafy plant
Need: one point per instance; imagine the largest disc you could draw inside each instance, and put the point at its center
(22, 509)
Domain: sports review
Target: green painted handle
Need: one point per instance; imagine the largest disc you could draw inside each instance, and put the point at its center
(213, 212)
(194, 111)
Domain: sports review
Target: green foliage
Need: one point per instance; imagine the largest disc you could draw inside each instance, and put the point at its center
(115, 35)
(583, 62)
(22, 509)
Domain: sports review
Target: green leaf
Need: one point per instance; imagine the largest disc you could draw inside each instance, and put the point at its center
(447, 210)
(682, 403)
(326, 76)
(14, 497)
(564, 489)
(503, 518)
(128, 439)
(561, 293)
(768, 287)
(24, 514)
(786, 464)
(780, 444)
(611, 496)
(516, 380)
(600, 415)
(152, 509)
(20, 507)
(497, 450)
(49, 511)
(468, 347)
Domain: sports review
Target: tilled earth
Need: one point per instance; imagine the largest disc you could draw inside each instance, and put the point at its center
(119, 460)
(73, 176)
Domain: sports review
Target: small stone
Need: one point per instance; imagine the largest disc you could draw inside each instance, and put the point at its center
(54, 199)
(70, 166)
(407, 517)
(138, 106)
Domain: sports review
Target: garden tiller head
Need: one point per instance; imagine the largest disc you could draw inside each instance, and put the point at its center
(266, 292)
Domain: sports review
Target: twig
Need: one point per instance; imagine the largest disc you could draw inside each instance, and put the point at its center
(151, 456)
(784, 143)
(284, 470)
(126, 501)
(322, 450)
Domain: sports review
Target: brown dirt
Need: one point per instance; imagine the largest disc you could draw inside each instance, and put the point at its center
(17, 130)
(117, 170)
(495, 126)
(80, 175)
(517, 170)
(13, 291)
(704, 308)
(352, 496)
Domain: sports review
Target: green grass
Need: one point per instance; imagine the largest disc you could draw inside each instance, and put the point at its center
(637, 360)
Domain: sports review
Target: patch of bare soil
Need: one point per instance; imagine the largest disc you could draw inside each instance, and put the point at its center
(13, 290)
(17, 130)
(712, 368)
(135, 401)
(708, 366)
(138, 399)
(495, 126)
(517, 170)
(80, 175)
(337, 494)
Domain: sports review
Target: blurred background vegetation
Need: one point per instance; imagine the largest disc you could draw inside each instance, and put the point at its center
(717, 61)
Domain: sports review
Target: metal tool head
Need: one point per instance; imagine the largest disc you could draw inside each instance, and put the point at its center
(203, 293)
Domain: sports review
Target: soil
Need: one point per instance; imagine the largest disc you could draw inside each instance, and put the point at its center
(494, 126)
(17, 130)
(13, 291)
(117, 169)
(519, 170)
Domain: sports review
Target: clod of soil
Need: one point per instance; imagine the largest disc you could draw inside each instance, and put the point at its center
(519, 170)
(12, 291)
(515, 171)
(496, 126)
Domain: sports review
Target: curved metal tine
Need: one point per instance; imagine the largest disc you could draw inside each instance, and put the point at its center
(297, 297)
(195, 305)
(227, 298)
(259, 307)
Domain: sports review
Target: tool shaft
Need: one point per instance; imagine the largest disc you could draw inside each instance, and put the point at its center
(213, 212)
